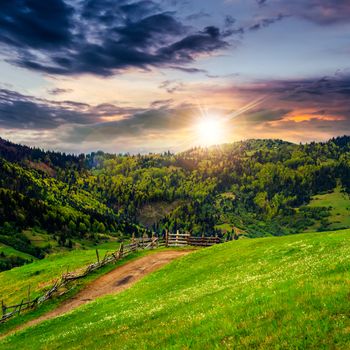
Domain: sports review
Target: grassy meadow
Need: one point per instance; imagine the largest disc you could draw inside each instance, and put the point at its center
(339, 202)
(41, 274)
(288, 292)
(7, 250)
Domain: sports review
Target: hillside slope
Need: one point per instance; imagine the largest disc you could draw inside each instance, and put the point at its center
(286, 292)
(42, 273)
(259, 187)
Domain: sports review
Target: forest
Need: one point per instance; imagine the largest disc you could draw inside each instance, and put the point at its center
(251, 188)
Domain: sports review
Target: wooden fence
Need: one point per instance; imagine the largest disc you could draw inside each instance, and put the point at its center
(185, 239)
(60, 286)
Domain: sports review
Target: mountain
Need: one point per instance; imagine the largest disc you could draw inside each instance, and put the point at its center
(250, 188)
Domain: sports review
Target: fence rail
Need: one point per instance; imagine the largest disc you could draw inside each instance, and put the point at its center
(60, 285)
(185, 239)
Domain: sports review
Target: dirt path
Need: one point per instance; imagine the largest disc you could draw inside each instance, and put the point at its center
(113, 282)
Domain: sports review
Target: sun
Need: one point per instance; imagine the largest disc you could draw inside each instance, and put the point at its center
(210, 131)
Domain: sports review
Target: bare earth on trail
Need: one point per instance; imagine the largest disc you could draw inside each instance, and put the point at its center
(113, 282)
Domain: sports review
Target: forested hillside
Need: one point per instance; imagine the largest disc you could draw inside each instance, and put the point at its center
(252, 188)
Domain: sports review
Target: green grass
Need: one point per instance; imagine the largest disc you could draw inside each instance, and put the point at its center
(40, 239)
(106, 242)
(224, 227)
(74, 288)
(7, 250)
(340, 212)
(287, 292)
(42, 273)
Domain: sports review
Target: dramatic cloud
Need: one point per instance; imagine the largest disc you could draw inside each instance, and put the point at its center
(325, 90)
(281, 106)
(26, 112)
(261, 115)
(77, 122)
(158, 121)
(323, 12)
(101, 37)
(285, 105)
(235, 66)
(35, 24)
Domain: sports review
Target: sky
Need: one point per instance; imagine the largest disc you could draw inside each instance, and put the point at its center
(152, 76)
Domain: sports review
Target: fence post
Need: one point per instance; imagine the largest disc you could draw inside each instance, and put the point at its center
(177, 237)
(3, 307)
(152, 240)
(115, 257)
(120, 253)
(97, 255)
(29, 293)
(166, 238)
(133, 248)
(20, 307)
